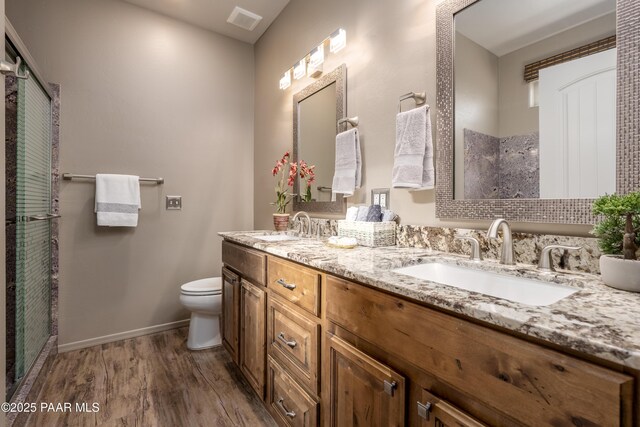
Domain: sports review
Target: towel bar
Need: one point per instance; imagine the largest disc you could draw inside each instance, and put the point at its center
(353, 121)
(419, 97)
(72, 176)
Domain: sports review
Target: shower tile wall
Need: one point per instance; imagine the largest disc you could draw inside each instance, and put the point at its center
(501, 168)
(11, 138)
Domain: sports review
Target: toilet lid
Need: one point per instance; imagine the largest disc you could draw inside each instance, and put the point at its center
(209, 286)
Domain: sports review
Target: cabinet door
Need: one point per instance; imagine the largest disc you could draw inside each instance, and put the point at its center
(253, 324)
(362, 391)
(230, 312)
(435, 412)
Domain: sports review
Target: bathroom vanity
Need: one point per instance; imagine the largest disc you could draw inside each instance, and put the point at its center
(337, 337)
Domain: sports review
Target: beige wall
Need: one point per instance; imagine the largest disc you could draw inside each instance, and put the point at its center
(516, 118)
(390, 51)
(148, 95)
(476, 103)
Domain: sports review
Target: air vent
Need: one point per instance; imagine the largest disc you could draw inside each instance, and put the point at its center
(244, 19)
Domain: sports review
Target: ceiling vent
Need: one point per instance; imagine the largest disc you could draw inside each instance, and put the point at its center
(244, 19)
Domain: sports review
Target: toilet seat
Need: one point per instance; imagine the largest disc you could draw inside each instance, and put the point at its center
(203, 287)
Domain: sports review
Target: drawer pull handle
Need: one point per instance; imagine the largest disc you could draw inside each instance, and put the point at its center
(286, 285)
(424, 409)
(282, 338)
(287, 412)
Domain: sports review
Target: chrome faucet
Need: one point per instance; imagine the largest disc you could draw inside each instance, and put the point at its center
(546, 263)
(506, 256)
(308, 220)
(476, 254)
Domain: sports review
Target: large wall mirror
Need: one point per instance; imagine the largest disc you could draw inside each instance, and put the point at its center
(536, 112)
(316, 110)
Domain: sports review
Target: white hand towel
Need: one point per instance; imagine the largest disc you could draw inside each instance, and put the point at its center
(348, 168)
(413, 158)
(352, 213)
(117, 200)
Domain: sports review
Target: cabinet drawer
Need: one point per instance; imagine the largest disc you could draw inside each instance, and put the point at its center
(435, 412)
(525, 381)
(249, 263)
(287, 401)
(295, 283)
(293, 340)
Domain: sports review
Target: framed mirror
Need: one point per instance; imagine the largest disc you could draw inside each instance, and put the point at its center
(316, 111)
(537, 108)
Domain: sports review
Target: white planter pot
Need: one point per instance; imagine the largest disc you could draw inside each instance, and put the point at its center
(620, 273)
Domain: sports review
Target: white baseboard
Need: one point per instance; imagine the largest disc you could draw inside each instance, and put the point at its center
(77, 345)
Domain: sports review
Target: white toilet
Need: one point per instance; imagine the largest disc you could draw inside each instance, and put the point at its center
(204, 299)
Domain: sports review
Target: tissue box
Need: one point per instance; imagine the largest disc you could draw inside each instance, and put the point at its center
(370, 234)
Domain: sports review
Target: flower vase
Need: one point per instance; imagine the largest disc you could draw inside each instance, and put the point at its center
(281, 221)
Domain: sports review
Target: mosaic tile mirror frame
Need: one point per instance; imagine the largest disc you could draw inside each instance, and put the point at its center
(570, 211)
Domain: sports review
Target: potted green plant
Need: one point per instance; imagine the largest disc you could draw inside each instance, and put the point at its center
(288, 172)
(619, 239)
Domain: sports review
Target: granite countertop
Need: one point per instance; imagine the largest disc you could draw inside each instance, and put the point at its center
(597, 320)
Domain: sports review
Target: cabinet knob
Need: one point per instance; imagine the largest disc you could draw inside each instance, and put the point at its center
(389, 387)
(284, 284)
(282, 338)
(284, 410)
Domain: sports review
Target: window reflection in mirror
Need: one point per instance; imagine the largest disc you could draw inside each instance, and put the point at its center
(547, 133)
(316, 140)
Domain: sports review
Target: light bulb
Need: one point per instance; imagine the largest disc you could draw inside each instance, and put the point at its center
(338, 40)
(285, 81)
(299, 69)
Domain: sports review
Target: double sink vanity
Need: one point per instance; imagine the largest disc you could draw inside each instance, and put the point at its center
(396, 336)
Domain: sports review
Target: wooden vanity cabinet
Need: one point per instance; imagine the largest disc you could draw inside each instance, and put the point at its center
(489, 371)
(231, 312)
(361, 390)
(322, 350)
(252, 335)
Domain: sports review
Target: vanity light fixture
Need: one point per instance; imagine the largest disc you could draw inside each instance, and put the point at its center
(316, 57)
(337, 40)
(299, 70)
(311, 64)
(285, 81)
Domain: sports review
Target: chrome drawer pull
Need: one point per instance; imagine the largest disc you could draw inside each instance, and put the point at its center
(424, 409)
(286, 285)
(282, 338)
(287, 412)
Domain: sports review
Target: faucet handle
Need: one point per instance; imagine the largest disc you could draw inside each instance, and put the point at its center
(476, 254)
(545, 263)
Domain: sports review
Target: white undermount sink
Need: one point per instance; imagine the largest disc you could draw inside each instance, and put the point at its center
(276, 237)
(517, 289)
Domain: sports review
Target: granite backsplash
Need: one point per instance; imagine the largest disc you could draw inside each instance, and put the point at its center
(526, 246)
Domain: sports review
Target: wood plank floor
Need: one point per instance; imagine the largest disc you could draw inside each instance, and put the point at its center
(150, 381)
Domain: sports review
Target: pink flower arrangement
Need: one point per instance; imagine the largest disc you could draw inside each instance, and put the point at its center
(288, 171)
(307, 173)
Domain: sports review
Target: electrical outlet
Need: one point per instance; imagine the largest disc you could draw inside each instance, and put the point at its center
(174, 203)
(380, 196)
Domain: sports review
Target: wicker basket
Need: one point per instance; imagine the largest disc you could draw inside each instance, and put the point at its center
(370, 234)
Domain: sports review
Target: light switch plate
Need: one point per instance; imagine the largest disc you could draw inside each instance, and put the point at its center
(380, 196)
(174, 203)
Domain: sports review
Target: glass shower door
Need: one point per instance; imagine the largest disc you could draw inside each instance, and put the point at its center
(33, 225)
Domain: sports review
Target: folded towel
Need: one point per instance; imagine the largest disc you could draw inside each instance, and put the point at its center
(352, 213)
(117, 200)
(363, 211)
(374, 214)
(348, 168)
(389, 215)
(413, 158)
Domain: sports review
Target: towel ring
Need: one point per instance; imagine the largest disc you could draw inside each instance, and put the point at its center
(353, 121)
(419, 97)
